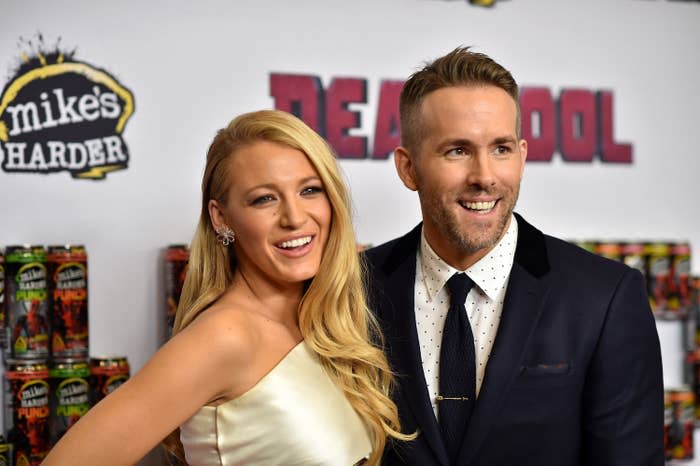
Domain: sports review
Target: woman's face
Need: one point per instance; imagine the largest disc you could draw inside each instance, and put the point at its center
(278, 208)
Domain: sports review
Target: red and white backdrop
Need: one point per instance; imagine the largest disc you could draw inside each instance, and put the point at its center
(103, 141)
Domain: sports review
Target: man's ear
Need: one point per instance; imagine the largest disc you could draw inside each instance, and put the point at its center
(523, 156)
(405, 167)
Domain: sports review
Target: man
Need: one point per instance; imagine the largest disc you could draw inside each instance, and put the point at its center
(558, 362)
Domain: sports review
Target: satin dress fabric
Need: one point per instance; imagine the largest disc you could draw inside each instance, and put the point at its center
(295, 415)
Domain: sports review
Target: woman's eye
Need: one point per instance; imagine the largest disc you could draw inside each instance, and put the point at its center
(262, 199)
(312, 190)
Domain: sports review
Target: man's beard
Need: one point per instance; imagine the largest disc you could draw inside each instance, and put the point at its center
(467, 238)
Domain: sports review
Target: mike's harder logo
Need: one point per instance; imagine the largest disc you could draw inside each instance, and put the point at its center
(58, 114)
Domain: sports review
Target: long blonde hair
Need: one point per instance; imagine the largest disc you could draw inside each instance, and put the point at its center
(333, 315)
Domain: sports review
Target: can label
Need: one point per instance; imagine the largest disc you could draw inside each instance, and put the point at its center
(27, 306)
(609, 250)
(679, 424)
(6, 454)
(679, 278)
(658, 275)
(633, 256)
(67, 267)
(70, 391)
(695, 299)
(27, 411)
(107, 374)
(176, 260)
(3, 342)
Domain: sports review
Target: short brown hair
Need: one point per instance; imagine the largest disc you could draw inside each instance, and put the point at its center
(460, 67)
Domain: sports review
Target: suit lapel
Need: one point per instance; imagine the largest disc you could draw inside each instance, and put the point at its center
(400, 270)
(524, 301)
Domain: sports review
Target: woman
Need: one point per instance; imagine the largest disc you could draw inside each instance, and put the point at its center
(271, 361)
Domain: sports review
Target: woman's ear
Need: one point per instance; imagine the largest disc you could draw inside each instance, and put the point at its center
(216, 214)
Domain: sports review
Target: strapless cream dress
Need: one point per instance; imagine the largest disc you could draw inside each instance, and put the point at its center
(294, 415)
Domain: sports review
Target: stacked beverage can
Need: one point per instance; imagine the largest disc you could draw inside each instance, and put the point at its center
(5, 452)
(69, 380)
(3, 341)
(68, 285)
(679, 278)
(609, 249)
(176, 260)
(679, 421)
(589, 246)
(658, 274)
(26, 296)
(695, 299)
(107, 373)
(27, 409)
(633, 256)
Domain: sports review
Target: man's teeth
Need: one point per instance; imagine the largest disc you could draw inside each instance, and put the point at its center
(295, 243)
(479, 205)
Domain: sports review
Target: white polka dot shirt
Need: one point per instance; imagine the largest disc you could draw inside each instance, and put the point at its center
(484, 304)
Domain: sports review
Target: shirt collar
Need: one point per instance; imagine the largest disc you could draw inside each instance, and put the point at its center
(436, 271)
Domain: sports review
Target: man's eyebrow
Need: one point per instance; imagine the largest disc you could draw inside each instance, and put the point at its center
(455, 143)
(504, 140)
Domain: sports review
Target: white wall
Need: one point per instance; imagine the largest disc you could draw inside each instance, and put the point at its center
(193, 66)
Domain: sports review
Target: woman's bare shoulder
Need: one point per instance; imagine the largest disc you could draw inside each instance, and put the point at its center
(226, 330)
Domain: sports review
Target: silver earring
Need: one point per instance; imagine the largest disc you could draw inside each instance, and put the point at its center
(225, 235)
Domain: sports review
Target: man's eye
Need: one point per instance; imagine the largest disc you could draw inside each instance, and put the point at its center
(502, 149)
(456, 151)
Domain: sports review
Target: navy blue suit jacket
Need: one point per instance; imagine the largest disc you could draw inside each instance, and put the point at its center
(574, 376)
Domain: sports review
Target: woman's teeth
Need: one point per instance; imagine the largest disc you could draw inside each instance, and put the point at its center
(295, 243)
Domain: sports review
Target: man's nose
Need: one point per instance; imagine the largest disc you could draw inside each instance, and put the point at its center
(481, 171)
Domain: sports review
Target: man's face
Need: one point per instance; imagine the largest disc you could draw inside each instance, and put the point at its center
(467, 170)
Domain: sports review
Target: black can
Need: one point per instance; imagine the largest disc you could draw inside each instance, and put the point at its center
(26, 293)
(27, 409)
(3, 336)
(69, 380)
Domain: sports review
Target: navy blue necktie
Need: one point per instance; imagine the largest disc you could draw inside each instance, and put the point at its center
(457, 367)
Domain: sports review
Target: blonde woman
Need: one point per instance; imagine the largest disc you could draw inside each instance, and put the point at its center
(271, 362)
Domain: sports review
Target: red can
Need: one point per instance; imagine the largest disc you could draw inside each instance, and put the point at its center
(176, 259)
(68, 286)
(610, 250)
(27, 409)
(27, 304)
(107, 373)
